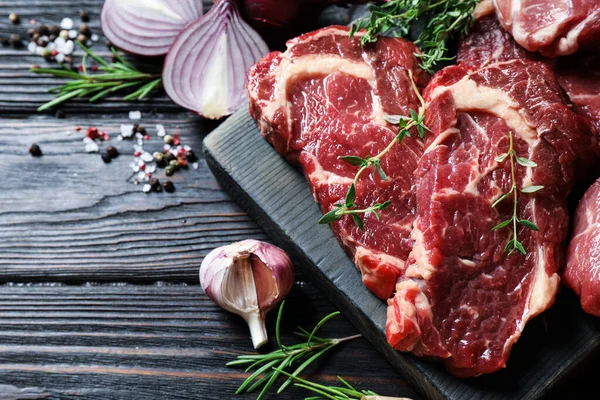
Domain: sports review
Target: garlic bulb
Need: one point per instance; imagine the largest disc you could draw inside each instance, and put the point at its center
(248, 278)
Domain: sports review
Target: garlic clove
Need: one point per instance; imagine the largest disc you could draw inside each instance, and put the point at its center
(248, 278)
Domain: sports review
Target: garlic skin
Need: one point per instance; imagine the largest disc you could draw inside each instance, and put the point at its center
(248, 278)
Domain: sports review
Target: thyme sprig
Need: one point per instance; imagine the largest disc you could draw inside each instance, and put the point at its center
(111, 77)
(268, 367)
(349, 207)
(345, 392)
(446, 20)
(514, 243)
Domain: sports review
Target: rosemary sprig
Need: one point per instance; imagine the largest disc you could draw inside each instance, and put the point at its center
(349, 207)
(345, 392)
(268, 367)
(514, 243)
(111, 77)
(447, 19)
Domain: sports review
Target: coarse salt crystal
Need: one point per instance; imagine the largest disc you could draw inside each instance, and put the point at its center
(126, 130)
(146, 188)
(31, 47)
(94, 37)
(160, 130)
(72, 34)
(147, 157)
(119, 138)
(141, 175)
(140, 142)
(138, 147)
(136, 168)
(60, 57)
(39, 50)
(195, 165)
(138, 135)
(88, 140)
(135, 115)
(51, 46)
(187, 148)
(91, 147)
(66, 23)
(167, 146)
(150, 169)
(59, 42)
(68, 47)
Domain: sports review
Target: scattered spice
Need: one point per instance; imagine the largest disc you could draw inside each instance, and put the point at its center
(84, 29)
(168, 186)
(4, 41)
(59, 113)
(35, 150)
(106, 157)
(84, 16)
(112, 151)
(14, 18)
(15, 41)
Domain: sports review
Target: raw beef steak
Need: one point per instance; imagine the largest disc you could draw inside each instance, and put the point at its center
(552, 27)
(579, 75)
(462, 297)
(582, 273)
(327, 97)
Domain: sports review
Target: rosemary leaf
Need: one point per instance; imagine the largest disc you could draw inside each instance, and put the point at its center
(112, 77)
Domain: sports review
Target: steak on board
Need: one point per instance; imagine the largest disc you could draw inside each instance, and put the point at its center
(582, 273)
(463, 298)
(552, 27)
(579, 74)
(327, 97)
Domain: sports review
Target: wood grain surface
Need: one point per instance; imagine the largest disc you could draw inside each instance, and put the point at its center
(98, 281)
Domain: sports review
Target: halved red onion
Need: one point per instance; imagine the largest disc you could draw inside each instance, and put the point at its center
(147, 27)
(205, 69)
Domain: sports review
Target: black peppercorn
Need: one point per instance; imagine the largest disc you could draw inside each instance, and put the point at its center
(84, 29)
(170, 157)
(112, 151)
(4, 41)
(141, 130)
(168, 186)
(44, 30)
(105, 157)
(169, 171)
(82, 38)
(35, 150)
(84, 16)
(135, 127)
(15, 41)
(191, 156)
(155, 184)
(60, 113)
(54, 30)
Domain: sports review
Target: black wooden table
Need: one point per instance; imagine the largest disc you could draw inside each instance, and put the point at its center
(99, 296)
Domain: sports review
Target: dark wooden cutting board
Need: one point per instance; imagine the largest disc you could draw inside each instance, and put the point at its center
(277, 197)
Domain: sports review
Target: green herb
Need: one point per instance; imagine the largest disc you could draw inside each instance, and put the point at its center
(349, 206)
(268, 367)
(345, 392)
(446, 19)
(111, 77)
(514, 243)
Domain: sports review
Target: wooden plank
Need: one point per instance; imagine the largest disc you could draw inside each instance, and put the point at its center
(69, 216)
(277, 196)
(157, 342)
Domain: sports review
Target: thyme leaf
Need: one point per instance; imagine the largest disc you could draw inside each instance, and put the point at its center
(514, 243)
(414, 120)
(447, 19)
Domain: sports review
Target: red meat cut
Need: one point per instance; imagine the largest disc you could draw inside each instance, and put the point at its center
(463, 298)
(326, 97)
(552, 27)
(579, 74)
(582, 273)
